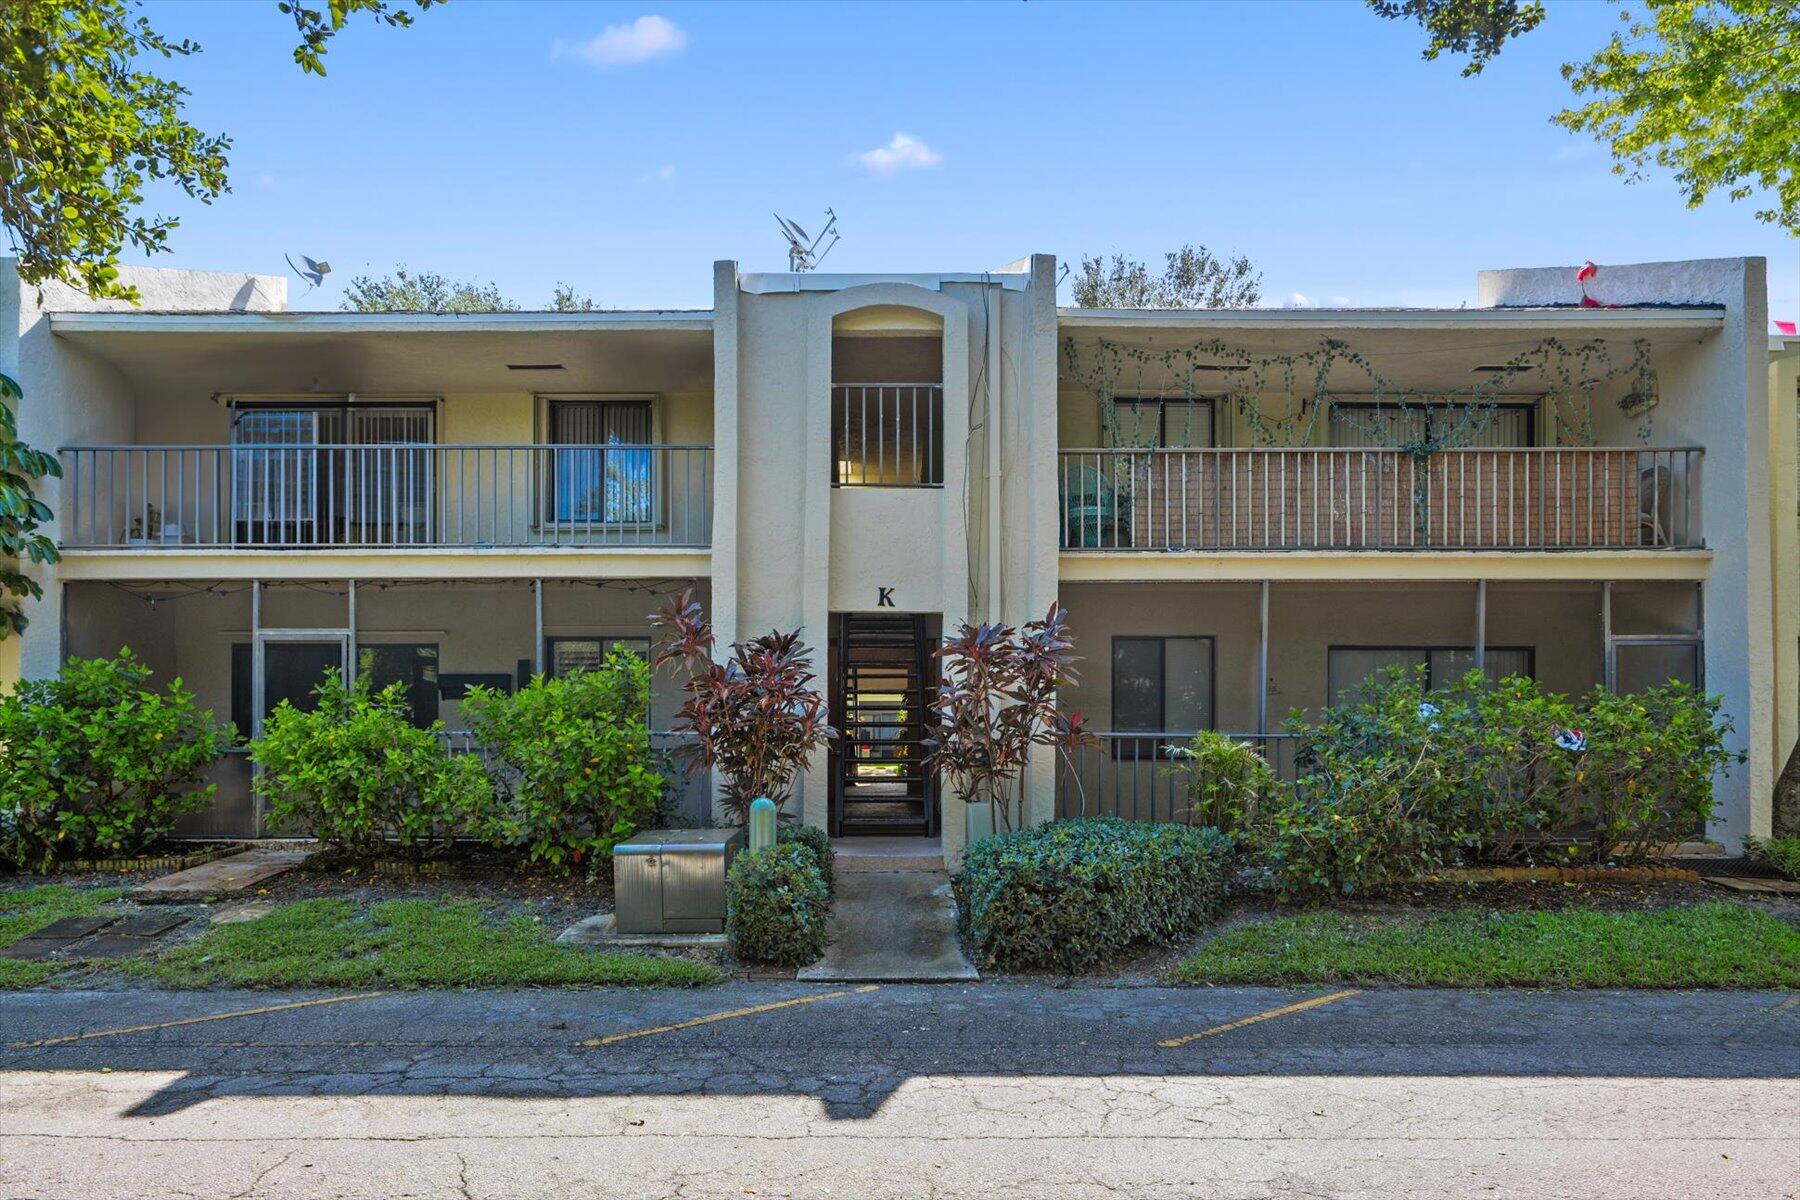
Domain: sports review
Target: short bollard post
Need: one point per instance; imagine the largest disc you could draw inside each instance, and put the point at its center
(762, 823)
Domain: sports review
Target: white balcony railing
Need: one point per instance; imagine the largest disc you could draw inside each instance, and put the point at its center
(1552, 498)
(408, 495)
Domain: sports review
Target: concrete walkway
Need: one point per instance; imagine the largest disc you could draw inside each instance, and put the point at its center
(232, 876)
(892, 927)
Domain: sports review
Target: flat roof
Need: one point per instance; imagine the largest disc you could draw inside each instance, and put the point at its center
(1679, 317)
(680, 320)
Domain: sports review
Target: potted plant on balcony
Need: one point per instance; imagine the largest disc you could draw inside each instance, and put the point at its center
(996, 699)
(756, 716)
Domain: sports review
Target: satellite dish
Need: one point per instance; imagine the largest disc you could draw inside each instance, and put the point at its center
(313, 271)
(803, 251)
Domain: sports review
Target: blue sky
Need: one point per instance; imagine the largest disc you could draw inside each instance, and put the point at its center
(524, 144)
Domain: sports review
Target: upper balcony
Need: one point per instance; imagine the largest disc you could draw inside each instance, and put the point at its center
(391, 436)
(1552, 430)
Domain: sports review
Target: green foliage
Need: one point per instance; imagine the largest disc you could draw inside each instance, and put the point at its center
(1646, 778)
(576, 771)
(818, 842)
(1480, 757)
(1707, 89)
(86, 124)
(1699, 945)
(402, 943)
(317, 24)
(355, 771)
(1782, 853)
(776, 902)
(1407, 778)
(1224, 779)
(1356, 828)
(1478, 28)
(28, 909)
(1192, 277)
(21, 512)
(564, 298)
(1068, 895)
(95, 761)
(425, 291)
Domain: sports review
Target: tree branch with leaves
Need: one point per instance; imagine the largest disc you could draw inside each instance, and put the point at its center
(1192, 277)
(22, 514)
(86, 124)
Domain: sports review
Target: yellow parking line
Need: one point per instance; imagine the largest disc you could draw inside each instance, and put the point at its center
(1272, 1013)
(752, 1011)
(224, 1016)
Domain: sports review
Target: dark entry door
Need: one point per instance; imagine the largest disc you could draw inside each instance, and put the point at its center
(883, 677)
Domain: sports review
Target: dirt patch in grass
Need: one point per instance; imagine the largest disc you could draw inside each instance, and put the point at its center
(339, 942)
(501, 886)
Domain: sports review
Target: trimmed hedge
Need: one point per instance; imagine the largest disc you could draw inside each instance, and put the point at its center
(775, 905)
(1071, 894)
(816, 840)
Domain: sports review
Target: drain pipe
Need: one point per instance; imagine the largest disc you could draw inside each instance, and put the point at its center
(992, 330)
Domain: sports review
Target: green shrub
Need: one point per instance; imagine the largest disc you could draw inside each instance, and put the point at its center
(576, 773)
(1224, 779)
(775, 905)
(1354, 830)
(1646, 777)
(355, 771)
(1500, 769)
(1782, 853)
(95, 762)
(818, 842)
(1070, 894)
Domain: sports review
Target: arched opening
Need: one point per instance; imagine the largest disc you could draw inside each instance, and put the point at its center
(887, 398)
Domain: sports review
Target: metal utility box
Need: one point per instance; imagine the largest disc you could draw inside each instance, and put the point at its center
(673, 880)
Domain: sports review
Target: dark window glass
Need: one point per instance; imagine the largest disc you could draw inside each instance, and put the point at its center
(414, 666)
(568, 654)
(1350, 668)
(291, 671)
(1162, 684)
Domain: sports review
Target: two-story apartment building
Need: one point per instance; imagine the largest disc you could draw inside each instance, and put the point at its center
(1246, 511)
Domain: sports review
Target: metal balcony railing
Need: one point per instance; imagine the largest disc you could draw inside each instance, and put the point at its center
(388, 496)
(887, 435)
(1549, 498)
(1131, 775)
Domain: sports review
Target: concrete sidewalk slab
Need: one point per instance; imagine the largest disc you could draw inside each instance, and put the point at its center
(892, 927)
(888, 854)
(220, 877)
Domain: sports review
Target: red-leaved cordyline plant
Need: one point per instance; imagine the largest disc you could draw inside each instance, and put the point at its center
(996, 699)
(755, 717)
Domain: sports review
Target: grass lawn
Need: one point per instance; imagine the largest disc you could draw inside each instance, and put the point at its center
(29, 909)
(1697, 945)
(400, 943)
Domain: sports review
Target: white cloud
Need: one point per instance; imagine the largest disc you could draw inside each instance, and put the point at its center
(904, 152)
(662, 174)
(646, 38)
(1296, 300)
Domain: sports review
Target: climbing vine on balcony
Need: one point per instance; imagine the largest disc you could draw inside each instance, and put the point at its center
(21, 513)
(1282, 398)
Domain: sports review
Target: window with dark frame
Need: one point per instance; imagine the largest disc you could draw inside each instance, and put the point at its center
(1175, 423)
(565, 654)
(607, 476)
(294, 669)
(1349, 669)
(1160, 685)
(1359, 423)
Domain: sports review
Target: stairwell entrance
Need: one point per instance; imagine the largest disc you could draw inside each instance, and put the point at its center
(883, 679)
